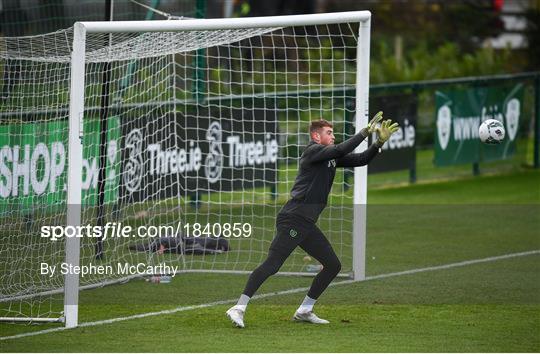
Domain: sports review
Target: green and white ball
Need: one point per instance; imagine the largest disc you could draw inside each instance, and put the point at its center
(491, 132)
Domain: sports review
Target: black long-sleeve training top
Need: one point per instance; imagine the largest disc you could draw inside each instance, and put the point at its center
(309, 194)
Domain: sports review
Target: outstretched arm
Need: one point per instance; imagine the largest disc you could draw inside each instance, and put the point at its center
(361, 159)
(384, 132)
(318, 153)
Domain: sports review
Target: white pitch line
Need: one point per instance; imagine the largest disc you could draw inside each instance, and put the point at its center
(454, 265)
(277, 293)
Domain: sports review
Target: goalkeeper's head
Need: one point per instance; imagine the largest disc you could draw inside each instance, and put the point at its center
(321, 131)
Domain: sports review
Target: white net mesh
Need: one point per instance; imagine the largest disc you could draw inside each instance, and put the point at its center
(202, 127)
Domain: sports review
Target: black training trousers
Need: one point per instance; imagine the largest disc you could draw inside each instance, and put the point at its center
(293, 231)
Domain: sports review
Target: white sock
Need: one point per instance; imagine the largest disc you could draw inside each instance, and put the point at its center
(242, 302)
(307, 305)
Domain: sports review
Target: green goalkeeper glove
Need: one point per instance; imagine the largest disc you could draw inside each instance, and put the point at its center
(386, 130)
(372, 124)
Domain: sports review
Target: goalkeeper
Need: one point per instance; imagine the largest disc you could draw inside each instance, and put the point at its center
(295, 223)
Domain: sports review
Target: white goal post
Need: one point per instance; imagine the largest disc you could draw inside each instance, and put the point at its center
(208, 33)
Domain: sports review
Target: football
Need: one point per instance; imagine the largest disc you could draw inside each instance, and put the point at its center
(491, 132)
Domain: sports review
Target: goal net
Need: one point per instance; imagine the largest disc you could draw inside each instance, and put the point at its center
(180, 130)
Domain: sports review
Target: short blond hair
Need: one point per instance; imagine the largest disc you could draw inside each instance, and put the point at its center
(315, 125)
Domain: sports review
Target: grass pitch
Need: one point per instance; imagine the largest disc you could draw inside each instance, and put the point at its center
(490, 306)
